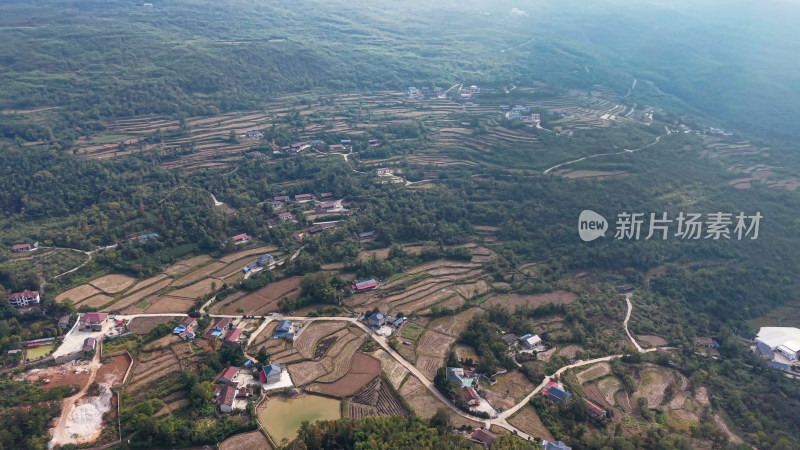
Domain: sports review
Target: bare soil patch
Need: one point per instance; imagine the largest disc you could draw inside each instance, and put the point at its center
(314, 332)
(167, 304)
(511, 301)
(570, 351)
(650, 340)
(395, 371)
(202, 287)
(653, 384)
(381, 253)
(186, 264)
(529, 423)
(114, 373)
(112, 284)
(78, 293)
(143, 325)
(265, 299)
(129, 302)
(96, 301)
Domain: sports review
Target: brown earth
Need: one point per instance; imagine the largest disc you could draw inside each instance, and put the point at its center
(112, 283)
(363, 368)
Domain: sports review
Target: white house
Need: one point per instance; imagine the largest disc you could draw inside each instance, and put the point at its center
(529, 341)
(781, 340)
(24, 298)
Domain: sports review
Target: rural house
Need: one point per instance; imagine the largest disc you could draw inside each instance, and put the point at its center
(322, 207)
(483, 437)
(284, 330)
(187, 325)
(241, 238)
(24, 298)
(509, 339)
(469, 396)
(218, 329)
(377, 320)
(88, 344)
(254, 134)
(19, 248)
(93, 321)
(271, 374)
(281, 198)
(233, 338)
(226, 399)
(365, 235)
(557, 395)
(265, 260)
(625, 288)
(303, 197)
(325, 195)
(460, 376)
(705, 342)
(365, 285)
(529, 341)
(285, 216)
(782, 344)
(595, 412)
(383, 171)
(336, 147)
(63, 322)
(227, 375)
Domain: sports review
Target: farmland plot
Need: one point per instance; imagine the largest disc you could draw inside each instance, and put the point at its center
(202, 287)
(126, 303)
(529, 422)
(431, 350)
(199, 274)
(263, 300)
(453, 325)
(512, 301)
(426, 404)
(653, 384)
(341, 361)
(185, 265)
(167, 304)
(152, 370)
(143, 325)
(313, 333)
(96, 301)
(245, 253)
(395, 371)
(608, 387)
(596, 371)
(112, 284)
(77, 294)
(306, 372)
(362, 369)
(246, 441)
(375, 399)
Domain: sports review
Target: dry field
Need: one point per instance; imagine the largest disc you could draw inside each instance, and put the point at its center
(96, 301)
(510, 389)
(607, 388)
(453, 325)
(202, 287)
(199, 274)
(233, 270)
(184, 265)
(306, 372)
(114, 373)
(263, 300)
(529, 422)
(166, 304)
(395, 371)
(77, 294)
(570, 351)
(653, 384)
(375, 399)
(128, 303)
(265, 336)
(162, 343)
(511, 301)
(381, 253)
(112, 284)
(143, 325)
(426, 404)
(431, 350)
(651, 341)
(472, 290)
(362, 369)
(246, 441)
(339, 357)
(308, 339)
(596, 371)
(61, 375)
(152, 370)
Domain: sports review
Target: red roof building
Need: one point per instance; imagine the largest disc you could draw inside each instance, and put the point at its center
(226, 399)
(24, 298)
(469, 396)
(188, 322)
(594, 410)
(21, 248)
(240, 237)
(233, 336)
(94, 317)
(227, 374)
(325, 195)
(485, 437)
(546, 388)
(303, 197)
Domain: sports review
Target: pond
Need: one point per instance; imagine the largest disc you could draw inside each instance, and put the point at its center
(282, 416)
(39, 352)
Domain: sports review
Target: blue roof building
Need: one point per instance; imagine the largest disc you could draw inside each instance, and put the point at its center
(558, 395)
(377, 320)
(557, 445)
(284, 330)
